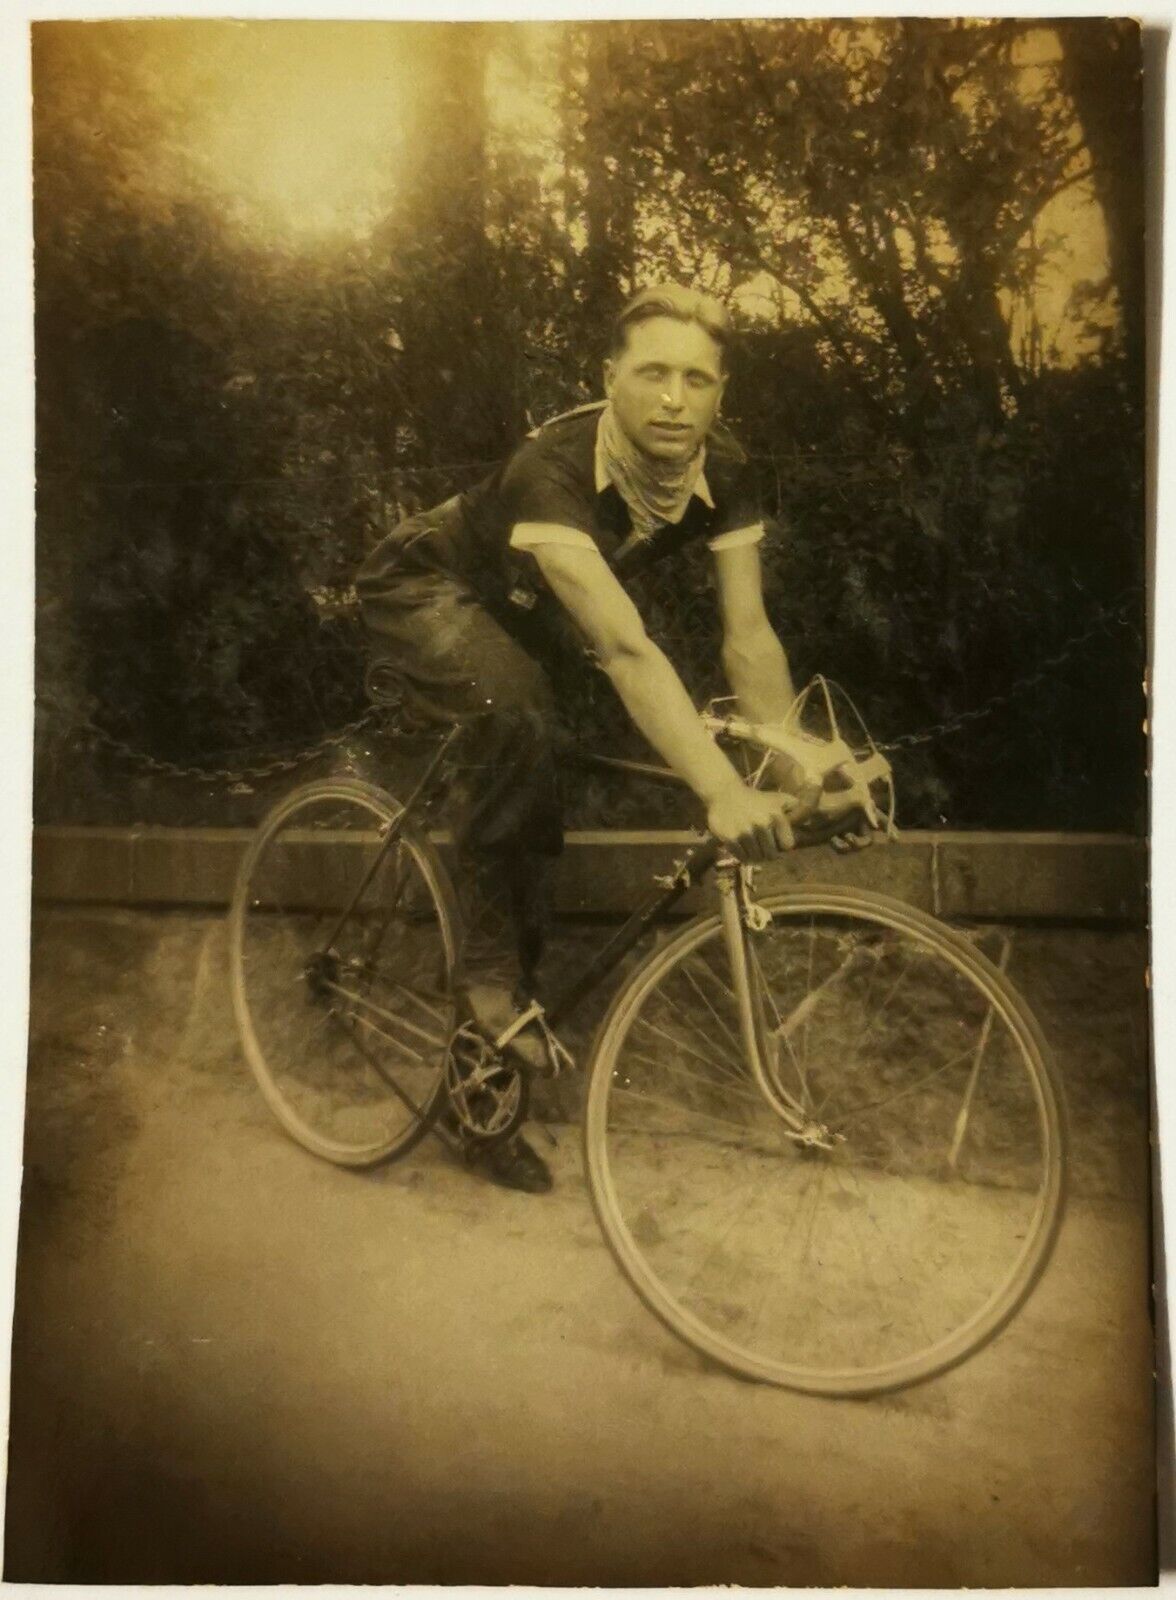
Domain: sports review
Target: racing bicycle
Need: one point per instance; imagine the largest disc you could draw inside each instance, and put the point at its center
(823, 1135)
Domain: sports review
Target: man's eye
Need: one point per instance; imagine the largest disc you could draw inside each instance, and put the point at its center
(699, 380)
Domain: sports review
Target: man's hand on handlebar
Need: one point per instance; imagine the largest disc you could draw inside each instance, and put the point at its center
(789, 776)
(753, 823)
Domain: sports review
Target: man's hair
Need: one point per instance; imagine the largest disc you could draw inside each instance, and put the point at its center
(684, 305)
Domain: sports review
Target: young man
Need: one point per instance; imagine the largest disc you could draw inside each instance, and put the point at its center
(472, 607)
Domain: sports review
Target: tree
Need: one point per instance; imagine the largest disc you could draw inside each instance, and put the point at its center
(1102, 73)
(439, 255)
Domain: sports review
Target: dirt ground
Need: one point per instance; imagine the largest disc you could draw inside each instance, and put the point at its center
(233, 1363)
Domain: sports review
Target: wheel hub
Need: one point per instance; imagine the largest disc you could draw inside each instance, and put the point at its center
(815, 1136)
(321, 973)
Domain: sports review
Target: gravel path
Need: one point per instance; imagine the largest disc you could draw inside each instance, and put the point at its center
(235, 1364)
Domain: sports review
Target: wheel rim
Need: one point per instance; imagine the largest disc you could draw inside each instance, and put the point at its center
(906, 1242)
(345, 1023)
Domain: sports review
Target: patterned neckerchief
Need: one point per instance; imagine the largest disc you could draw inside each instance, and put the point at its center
(655, 491)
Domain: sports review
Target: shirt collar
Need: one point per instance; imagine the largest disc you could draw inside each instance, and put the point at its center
(701, 487)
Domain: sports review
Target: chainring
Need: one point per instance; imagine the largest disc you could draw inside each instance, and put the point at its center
(489, 1098)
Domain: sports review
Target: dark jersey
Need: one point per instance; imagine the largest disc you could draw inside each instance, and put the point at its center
(554, 479)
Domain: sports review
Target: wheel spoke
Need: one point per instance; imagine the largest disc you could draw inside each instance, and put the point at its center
(680, 1110)
(749, 1191)
(843, 1121)
(750, 1095)
(734, 1069)
(728, 1032)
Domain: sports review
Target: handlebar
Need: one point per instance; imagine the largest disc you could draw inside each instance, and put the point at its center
(840, 809)
(846, 803)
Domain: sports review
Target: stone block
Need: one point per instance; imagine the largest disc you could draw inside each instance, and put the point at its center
(1059, 877)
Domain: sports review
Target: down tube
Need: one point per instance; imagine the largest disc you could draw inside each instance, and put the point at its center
(655, 905)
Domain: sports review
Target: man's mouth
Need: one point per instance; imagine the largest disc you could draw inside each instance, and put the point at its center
(670, 427)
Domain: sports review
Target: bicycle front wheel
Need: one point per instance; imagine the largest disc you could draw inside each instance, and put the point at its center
(342, 943)
(880, 1198)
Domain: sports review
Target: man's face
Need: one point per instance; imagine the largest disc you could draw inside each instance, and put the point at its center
(665, 386)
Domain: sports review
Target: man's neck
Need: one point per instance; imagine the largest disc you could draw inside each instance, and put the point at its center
(654, 490)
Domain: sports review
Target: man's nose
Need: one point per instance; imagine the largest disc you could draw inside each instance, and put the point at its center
(672, 394)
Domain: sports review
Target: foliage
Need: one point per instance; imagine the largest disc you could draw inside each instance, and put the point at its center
(228, 419)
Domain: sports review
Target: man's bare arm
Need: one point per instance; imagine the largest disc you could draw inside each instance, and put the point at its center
(656, 699)
(758, 672)
(753, 657)
(754, 660)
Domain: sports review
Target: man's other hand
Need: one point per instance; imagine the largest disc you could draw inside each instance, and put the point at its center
(752, 823)
(789, 775)
(858, 838)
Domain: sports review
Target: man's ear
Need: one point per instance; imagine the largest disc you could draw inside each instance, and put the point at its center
(610, 373)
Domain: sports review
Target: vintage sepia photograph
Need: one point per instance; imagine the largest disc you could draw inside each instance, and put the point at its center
(588, 1010)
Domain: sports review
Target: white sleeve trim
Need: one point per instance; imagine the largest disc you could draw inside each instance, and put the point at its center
(526, 535)
(731, 540)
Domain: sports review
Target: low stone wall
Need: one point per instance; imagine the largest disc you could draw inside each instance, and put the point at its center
(1049, 876)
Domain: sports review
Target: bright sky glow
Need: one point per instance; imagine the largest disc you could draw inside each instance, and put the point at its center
(303, 121)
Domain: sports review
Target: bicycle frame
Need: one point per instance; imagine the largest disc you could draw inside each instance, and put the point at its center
(691, 869)
(392, 834)
(709, 855)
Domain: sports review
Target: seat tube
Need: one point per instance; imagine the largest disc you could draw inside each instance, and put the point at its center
(393, 832)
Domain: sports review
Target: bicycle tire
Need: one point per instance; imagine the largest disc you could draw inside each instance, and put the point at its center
(648, 1250)
(308, 1049)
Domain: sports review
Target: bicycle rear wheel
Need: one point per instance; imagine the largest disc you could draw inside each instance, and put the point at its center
(902, 1213)
(342, 948)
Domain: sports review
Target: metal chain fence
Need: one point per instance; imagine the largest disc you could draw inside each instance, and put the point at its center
(1105, 622)
(274, 765)
(232, 777)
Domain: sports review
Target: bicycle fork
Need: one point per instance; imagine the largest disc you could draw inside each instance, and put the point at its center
(741, 918)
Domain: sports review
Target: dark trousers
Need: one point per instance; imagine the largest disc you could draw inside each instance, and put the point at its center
(437, 648)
